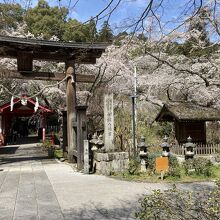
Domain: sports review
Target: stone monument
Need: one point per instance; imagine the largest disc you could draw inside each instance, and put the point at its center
(109, 122)
(110, 160)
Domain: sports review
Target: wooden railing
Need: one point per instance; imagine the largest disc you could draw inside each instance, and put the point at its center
(200, 149)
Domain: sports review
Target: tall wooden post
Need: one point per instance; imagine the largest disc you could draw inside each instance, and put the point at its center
(81, 134)
(71, 110)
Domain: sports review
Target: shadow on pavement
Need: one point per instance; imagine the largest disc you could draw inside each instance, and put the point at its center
(22, 159)
(197, 186)
(15, 154)
(8, 150)
(126, 210)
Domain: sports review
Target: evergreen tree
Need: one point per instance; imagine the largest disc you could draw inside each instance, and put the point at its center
(10, 15)
(198, 39)
(75, 31)
(46, 20)
(78, 32)
(105, 34)
(92, 31)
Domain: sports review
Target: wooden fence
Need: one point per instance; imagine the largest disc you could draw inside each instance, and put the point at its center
(52, 128)
(200, 149)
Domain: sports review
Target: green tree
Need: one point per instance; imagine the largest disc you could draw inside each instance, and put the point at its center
(10, 15)
(105, 34)
(79, 32)
(46, 20)
(92, 31)
(75, 31)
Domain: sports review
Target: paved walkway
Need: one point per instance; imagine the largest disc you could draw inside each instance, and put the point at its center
(39, 188)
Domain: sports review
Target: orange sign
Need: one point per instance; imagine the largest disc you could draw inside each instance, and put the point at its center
(162, 164)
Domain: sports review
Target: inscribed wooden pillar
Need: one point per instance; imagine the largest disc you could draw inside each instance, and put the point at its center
(81, 134)
(71, 110)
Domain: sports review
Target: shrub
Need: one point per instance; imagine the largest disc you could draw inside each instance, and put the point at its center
(134, 166)
(174, 167)
(173, 162)
(47, 144)
(174, 172)
(188, 165)
(201, 166)
(178, 204)
(164, 128)
(152, 159)
(58, 153)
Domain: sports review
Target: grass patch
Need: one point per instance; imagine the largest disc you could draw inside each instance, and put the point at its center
(155, 178)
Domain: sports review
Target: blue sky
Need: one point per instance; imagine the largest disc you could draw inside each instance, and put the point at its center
(128, 9)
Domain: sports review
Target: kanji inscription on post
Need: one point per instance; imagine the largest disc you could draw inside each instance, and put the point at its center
(109, 121)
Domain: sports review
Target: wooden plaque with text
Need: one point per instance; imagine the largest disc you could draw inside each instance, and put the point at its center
(162, 164)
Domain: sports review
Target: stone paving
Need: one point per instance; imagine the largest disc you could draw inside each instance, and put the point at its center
(25, 190)
(34, 187)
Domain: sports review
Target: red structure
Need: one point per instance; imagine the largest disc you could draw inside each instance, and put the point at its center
(15, 114)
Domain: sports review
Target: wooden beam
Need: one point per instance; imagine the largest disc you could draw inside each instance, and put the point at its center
(85, 78)
(89, 57)
(30, 75)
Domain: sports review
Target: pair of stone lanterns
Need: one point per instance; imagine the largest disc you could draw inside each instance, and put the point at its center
(143, 152)
(189, 148)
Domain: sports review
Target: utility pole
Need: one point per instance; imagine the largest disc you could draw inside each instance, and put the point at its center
(135, 93)
(134, 112)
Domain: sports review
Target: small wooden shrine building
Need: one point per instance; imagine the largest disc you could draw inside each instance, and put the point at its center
(25, 51)
(189, 120)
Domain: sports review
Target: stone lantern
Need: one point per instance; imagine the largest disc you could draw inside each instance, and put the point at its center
(143, 154)
(166, 147)
(189, 148)
(100, 142)
(94, 142)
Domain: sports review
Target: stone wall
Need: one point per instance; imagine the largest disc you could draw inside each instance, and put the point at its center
(108, 163)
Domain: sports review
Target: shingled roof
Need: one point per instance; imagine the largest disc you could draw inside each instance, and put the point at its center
(51, 50)
(187, 111)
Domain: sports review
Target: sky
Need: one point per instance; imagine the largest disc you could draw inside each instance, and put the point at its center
(128, 10)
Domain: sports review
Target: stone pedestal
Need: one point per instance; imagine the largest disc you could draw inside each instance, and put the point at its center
(143, 165)
(108, 163)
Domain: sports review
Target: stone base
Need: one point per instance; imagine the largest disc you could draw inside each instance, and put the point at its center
(109, 163)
